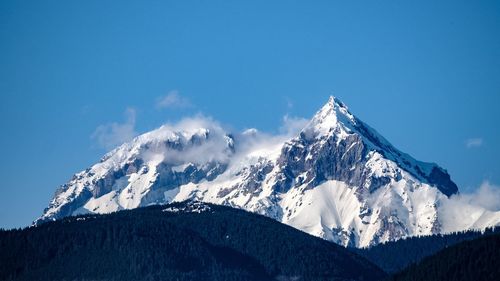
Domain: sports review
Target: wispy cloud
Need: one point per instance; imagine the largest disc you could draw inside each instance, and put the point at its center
(250, 143)
(486, 196)
(289, 103)
(474, 142)
(110, 135)
(213, 148)
(172, 100)
(292, 125)
(465, 210)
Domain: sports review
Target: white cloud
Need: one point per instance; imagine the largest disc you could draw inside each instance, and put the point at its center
(475, 209)
(293, 125)
(213, 148)
(172, 100)
(486, 196)
(474, 142)
(110, 135)
(250, 143)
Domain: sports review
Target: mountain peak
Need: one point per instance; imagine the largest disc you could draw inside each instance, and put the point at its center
(332, 115)
(332, 101)
(338, 179)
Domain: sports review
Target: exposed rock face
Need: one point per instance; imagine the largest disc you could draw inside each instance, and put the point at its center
(337, 179)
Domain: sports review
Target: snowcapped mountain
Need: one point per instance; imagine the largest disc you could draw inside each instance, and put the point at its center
(337, 179)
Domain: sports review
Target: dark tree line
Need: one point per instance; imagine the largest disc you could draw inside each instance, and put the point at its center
(149, 244)
(394, 256)
(474, 260)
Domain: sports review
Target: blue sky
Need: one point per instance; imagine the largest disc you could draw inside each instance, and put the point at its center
(425, 74)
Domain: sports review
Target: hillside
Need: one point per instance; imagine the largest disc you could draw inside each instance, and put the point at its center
(474, 260)
(180, 241)
(395, 256)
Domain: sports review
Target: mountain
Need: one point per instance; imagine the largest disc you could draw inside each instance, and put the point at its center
(474, 260)
(179, 241)
(393, 257)
(337, 179)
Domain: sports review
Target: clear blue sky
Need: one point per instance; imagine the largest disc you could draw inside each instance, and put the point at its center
(425, 74)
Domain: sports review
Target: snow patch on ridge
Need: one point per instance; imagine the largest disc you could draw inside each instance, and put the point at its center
(189, 207)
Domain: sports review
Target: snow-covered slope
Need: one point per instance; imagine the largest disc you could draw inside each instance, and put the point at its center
(337, 179)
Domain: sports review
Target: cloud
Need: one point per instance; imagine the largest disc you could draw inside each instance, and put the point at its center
(486, 196)
(289, 103)
(249, 145)
(475, 209)
(292, 125)
(172, 100)
(110, 135)
(252, 144)
(474, 142)
(198, 140)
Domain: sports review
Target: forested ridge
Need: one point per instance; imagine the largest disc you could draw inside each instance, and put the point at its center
(175, 242)
(198, 241)
(474, 260)
(395, 256)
